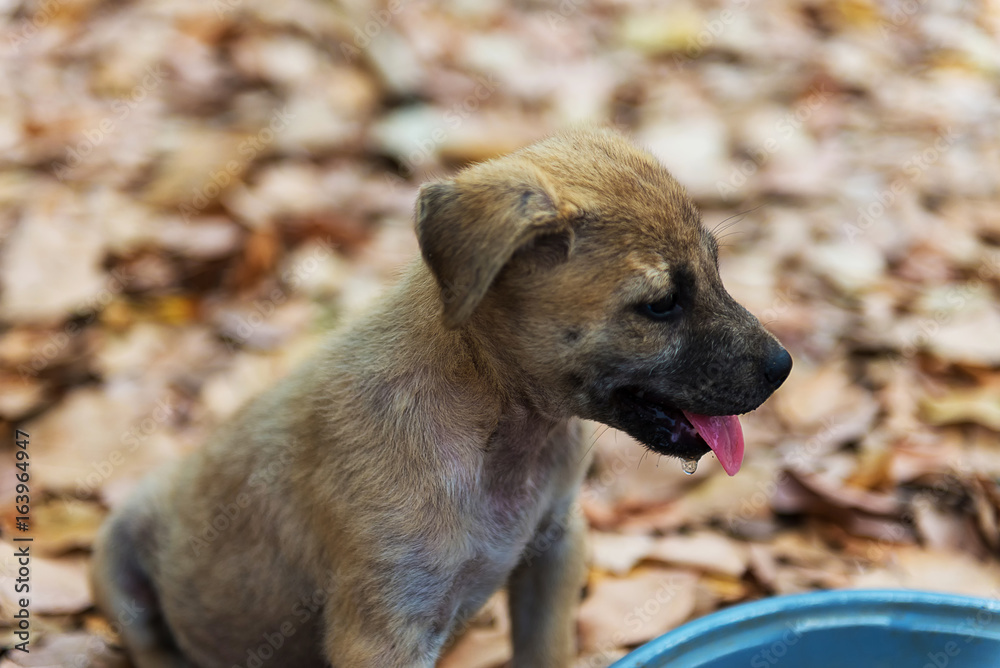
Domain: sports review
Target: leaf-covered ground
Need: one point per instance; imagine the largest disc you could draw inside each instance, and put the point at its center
(192, 192)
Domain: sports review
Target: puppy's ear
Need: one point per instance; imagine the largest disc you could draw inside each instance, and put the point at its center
(469, 229)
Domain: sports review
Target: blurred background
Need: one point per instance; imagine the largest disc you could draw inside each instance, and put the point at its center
(193, 192)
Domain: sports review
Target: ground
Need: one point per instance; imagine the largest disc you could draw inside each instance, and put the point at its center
(192, 192)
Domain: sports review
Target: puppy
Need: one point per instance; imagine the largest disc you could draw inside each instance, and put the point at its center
(363, 510)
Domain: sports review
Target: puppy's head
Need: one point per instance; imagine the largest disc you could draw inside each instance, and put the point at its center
(584, 267)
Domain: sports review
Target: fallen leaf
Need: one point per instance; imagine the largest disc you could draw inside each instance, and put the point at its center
(723, 588)
(661, 32)
(115, 432)
(813, 396)
(844, 496)
(762, 564)
(479, 648)
(851, 266)
(487, 642)
(67, 649)
(199, 164)
(600, 659)
(53, 226)
(746, 496)
(632, 610)
(201, 238)
(916, 568)
(618, 553)
(973, 338)
(20, 396)
(942, 530)
(61, 525)
(703, 551)
(58, 586)
(980, 405)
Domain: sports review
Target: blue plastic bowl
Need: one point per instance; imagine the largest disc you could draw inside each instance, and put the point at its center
(835, 629)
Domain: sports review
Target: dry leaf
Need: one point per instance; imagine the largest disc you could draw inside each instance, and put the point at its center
(479, 648)
(20, 396)
(986, 498)
(945, 531)
(200, 164)
(55, 226)
(61, 525)
(973, 337)
(487, 642)
(68, 649)
(58, 586)
(629, 611)
(915, 568)
(824, 396)
(843, 496)
(619, 553)
(980, 405)
(114, 431)
(703, 551)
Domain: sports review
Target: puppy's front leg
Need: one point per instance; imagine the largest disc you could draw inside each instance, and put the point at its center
(368, 628)
(544, 591)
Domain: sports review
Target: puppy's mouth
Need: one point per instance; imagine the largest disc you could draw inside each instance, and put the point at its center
(669, 430)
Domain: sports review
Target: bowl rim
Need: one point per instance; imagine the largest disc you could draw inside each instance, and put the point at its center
(924, 610)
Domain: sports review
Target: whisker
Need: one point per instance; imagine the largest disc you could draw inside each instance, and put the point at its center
(721, 241)
(594, 442)
(738, 215)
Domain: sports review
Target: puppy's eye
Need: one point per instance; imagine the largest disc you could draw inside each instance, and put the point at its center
(661, 308)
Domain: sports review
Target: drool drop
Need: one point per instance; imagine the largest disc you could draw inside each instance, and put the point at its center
(690, 466)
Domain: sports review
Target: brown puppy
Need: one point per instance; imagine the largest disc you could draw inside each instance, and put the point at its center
(358, 513)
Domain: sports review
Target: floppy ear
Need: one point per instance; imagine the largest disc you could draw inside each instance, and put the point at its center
(468, 231)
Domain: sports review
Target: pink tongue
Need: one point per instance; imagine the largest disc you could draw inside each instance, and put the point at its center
(724, 435)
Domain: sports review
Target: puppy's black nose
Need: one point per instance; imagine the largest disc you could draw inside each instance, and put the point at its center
(778, 367)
